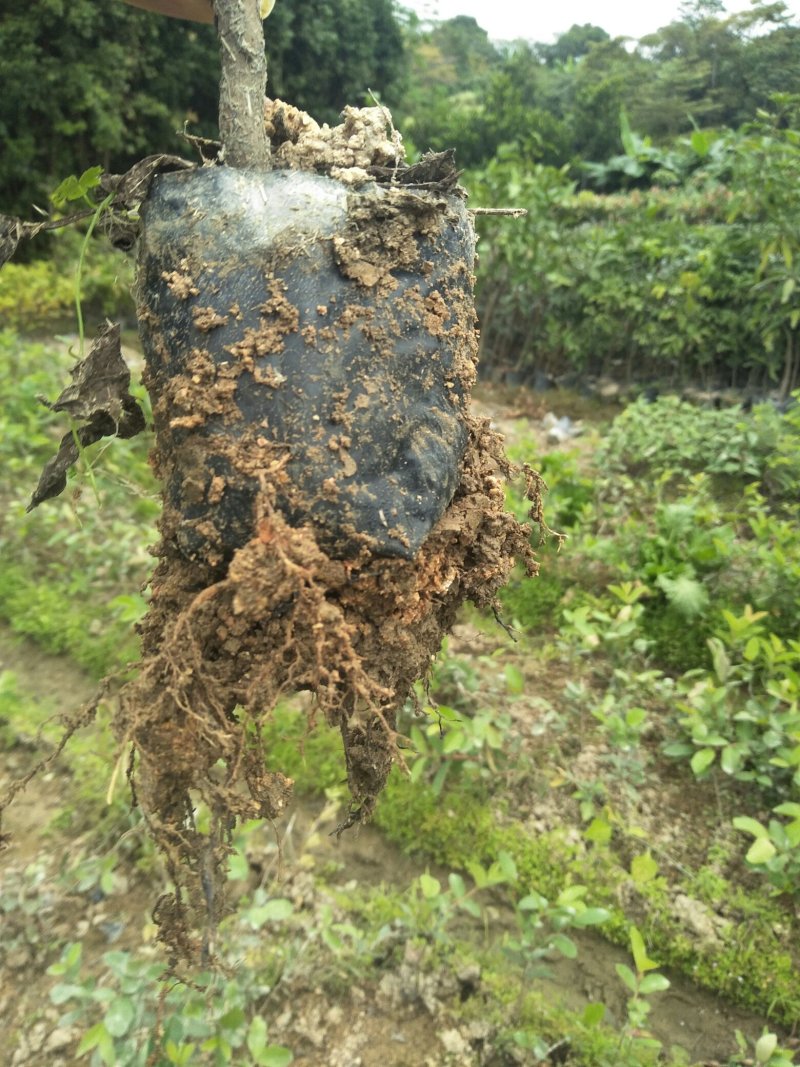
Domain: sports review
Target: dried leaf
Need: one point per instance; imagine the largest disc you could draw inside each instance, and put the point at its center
(99, 396)
(11, 232)
(131, 188)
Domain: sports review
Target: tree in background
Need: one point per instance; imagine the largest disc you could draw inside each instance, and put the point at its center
(89, 83)
(560, 104)
(450, 66)
(324, 54)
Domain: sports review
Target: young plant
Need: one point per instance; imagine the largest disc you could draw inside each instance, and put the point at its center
(765, 1052)
(467, 745)
(213, 1021)
(542, 927)
(745, 713)
(775, 851)
(641, 983)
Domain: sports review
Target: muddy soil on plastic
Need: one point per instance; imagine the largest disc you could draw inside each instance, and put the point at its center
(329, 500)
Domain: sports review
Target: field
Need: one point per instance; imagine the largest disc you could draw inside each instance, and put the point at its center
(592, 856)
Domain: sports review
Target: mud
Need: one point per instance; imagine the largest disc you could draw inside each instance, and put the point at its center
(329, 503)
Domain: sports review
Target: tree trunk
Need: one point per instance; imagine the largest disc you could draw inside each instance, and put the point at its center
(243, 83)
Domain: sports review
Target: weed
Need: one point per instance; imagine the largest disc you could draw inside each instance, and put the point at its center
(765, 1052)
(458, 745)
(143, 1014)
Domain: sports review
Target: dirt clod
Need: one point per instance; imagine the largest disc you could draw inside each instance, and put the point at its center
(329, 501)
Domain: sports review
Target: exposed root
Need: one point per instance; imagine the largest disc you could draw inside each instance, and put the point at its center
(221, 650)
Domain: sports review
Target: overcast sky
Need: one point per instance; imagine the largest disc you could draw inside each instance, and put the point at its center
(540, 20)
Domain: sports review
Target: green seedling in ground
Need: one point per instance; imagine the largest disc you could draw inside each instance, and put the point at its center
(641, 983)
(764, 1052)
(775, 851)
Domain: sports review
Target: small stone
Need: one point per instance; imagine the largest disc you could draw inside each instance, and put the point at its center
(454, 1044)
(61, 1038)
(698, 919)
(17, 959)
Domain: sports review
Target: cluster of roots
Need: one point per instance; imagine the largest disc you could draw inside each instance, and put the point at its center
(220, 648)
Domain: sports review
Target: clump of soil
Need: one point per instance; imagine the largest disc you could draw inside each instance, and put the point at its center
(329, 501)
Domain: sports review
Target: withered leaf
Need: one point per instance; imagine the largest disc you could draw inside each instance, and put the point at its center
(131, 188)
(98, 396)
(435, 171)
(11, 232)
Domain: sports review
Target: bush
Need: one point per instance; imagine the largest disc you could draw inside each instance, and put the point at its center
(38, 295)
(698, 282)
(671, 435)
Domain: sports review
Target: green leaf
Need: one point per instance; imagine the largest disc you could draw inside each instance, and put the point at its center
(572, 894)
(232, 1019)
(685, 594)
(643, 868)
(678, 749)
(720, 659)
(470, 906)
(565, 945)
(639, 952)
(238, 868)
(591, 917)
(272, 911)
(430, 886)
(505, 862)
(276, 1056)
(765, 1046)
(599, 831)
(515, 679)
(752, 649)
(179, 1054)
(731, 758)
(457, 884)
(439, 779)
(454, 741)
(593, 1014)
(700, 142)
(761, 851)
(91, 1039)
(653, 983)
(64, 991)
(73, 188)
(789, 808)
(533, 902)
(702, 760)
(750, 826)
(70, 958)
(256, 1037)
(627, 976)
(119, 1015)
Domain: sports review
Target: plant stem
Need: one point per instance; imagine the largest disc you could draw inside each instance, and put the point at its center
(243, 83)
(98, 211)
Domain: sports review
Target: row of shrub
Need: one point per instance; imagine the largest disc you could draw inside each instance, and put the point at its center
(693, 280)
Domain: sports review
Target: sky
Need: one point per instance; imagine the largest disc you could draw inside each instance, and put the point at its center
(539, 20)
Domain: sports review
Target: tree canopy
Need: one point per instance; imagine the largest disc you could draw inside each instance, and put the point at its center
(87, 83)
